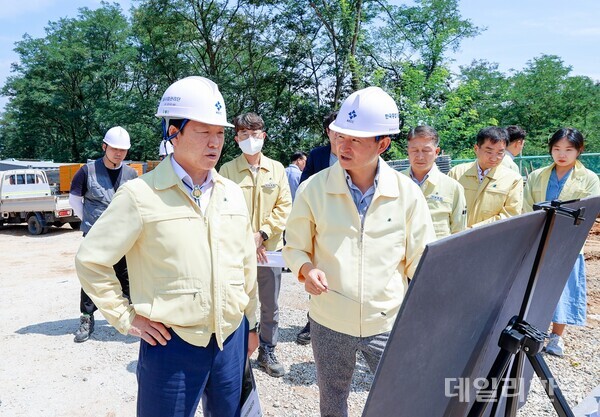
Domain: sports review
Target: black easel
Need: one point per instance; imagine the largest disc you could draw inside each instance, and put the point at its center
(519, 339)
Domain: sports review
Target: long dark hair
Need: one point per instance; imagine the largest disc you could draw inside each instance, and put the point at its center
(571, 134)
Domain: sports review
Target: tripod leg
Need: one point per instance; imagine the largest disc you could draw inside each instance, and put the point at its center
(496, 375)
(514, 385)
(497, 399)
(554, 393)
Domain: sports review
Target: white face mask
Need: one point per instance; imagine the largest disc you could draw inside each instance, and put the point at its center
(251, 146)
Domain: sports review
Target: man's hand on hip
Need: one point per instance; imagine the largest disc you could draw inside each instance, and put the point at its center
(150, 331)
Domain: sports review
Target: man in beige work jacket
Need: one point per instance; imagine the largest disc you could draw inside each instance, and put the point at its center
(445, 196)
(493, 192)
(192, 265)
(269, 200)
(355, 236)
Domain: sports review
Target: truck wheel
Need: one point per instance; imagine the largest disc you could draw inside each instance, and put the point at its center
(75, 225)
(35, 227)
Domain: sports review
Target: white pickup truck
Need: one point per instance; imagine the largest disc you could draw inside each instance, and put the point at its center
(26, 197)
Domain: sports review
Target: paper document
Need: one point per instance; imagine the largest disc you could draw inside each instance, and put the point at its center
(275, 260)
(250, 402)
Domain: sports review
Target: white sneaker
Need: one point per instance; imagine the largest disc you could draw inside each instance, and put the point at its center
(555, 346)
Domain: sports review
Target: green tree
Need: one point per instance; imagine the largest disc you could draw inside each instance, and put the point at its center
(291, 61)
(544, 97)
(410, 52)
(69, 87)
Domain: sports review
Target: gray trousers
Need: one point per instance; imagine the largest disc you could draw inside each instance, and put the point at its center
(335, 360)
(269, 284)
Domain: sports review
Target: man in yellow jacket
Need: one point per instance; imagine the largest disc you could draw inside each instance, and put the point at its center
(445, 196)
(355, 236)
(269, 200)
(192, 266)
(514, 147)
(492, 191)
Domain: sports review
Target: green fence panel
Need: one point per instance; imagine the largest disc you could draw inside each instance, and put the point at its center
(531, 163)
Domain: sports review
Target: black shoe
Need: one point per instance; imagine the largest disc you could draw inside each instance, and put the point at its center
(86, 328)
(268, 361)
(303, 338)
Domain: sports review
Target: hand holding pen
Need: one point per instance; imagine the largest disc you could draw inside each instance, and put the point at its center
(315, 281)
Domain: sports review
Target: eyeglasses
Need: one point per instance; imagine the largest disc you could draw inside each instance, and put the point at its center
(491, 154)
(245, 134)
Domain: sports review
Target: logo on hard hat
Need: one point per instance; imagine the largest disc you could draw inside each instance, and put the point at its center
(170, 100)
(391, 115)
(219, 106)
(351, 115)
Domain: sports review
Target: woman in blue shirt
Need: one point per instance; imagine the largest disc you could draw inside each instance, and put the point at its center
(566, 179)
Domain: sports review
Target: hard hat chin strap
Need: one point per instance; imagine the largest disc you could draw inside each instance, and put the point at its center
(165, 128)
(379, 137)
(114, 165)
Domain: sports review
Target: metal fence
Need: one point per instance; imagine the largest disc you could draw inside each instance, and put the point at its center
(444, 163)
(525, 163)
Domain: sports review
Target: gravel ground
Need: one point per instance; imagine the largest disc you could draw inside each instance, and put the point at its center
(296, 394)
(43, 373)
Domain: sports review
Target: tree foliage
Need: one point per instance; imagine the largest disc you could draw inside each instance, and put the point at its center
(292, 61)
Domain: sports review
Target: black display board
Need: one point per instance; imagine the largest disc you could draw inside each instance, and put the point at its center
(466, 289)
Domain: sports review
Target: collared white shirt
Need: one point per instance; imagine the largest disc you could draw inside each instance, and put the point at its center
(481, 174)
(206, 187)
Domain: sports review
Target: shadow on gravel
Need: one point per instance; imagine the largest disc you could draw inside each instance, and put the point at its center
(102, 331)
(132, 367)
(302, 373)
(21, 230)
(305, 374)
(288, 334)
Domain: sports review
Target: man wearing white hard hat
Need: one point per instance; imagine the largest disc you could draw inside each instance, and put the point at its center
(92, 189)
(355, 236)
(192, 265)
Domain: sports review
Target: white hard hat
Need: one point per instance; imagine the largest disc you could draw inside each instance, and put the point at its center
(367, 112)
(194, 98)
(165, 148)
(118, 138)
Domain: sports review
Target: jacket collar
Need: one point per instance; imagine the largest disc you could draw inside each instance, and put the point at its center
(433, 176)
(387, 186)
(165, 176)
(241, 164)
(579, 167)
(492, 174)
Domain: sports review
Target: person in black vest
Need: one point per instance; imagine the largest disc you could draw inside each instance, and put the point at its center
(92, 189)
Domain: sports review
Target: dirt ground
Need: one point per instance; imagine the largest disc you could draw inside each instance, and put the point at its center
(44, 373)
